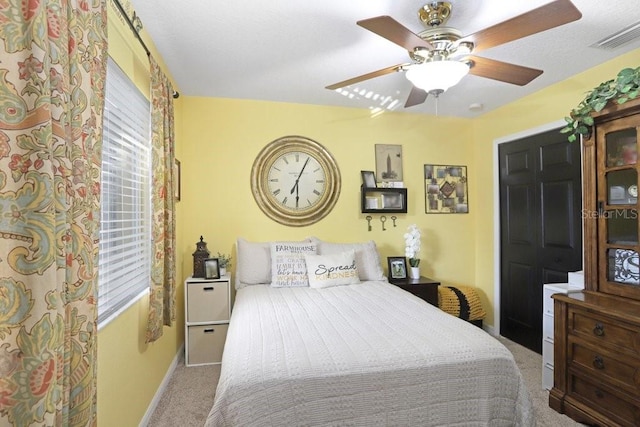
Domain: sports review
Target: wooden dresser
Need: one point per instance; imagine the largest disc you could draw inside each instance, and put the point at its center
(597, 332)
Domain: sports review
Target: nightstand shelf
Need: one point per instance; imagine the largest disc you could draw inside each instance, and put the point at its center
(424, 288)
(207, 313)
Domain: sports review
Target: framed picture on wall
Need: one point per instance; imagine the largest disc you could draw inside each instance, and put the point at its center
(389, 162)
(445, 189)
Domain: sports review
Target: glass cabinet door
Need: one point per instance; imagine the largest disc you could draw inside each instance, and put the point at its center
(618, 207)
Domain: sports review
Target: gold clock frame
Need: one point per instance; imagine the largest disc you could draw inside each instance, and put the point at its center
(270, 206)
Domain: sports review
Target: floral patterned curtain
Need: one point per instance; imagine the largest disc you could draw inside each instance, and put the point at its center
(162, 310)
(52, 75)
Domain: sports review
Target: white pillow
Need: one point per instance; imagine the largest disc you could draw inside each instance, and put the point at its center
(253, 263)
(288, 268)
(367, 258)
(332, 270)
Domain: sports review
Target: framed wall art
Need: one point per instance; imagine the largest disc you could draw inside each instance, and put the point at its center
(445, 189)
(389, 162)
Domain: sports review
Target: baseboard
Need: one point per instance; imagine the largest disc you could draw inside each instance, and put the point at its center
(489, 329)
(163, 385)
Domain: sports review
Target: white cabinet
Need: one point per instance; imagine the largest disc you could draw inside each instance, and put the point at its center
(547, 323)
(207, 312)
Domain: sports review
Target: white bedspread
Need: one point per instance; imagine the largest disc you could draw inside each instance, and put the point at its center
(361, 355)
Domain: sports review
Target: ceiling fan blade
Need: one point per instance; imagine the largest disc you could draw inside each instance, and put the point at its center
(367, 76)
(502, 71)
(416, 96)
(392, 30)
(554, 14)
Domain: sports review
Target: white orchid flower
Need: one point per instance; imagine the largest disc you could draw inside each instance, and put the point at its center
(412, 245)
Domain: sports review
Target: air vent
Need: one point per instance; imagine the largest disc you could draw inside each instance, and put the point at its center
(616, 40)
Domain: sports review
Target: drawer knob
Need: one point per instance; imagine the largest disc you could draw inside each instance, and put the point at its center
(209, 331)
(208, 288)
(598, 362)
(598, 330)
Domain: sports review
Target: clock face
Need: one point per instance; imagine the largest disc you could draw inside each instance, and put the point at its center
(295, 181)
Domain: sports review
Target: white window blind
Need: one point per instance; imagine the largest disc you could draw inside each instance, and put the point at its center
(125, 222)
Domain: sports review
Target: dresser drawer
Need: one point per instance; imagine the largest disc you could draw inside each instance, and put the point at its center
(547, 376)
(547, 301)
(547, 352)
(547, 327)
(602, 365)
(207, 302)
(206, 343)
(619, 410)
(608, 332)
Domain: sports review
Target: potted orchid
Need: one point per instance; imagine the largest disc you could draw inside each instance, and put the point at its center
(412, 248)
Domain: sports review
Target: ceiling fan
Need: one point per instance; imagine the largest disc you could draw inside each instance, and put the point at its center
(441, 56)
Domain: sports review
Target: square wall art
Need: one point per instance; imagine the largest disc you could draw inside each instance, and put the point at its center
(445, 189)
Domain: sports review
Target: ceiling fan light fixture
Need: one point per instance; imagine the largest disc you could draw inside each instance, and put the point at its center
(437, 76)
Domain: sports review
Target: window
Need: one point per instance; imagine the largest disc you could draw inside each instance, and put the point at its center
(125, 224)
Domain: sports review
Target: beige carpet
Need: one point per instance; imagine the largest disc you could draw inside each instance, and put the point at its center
(189, 395)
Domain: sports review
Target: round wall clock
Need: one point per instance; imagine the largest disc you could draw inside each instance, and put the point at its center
(295, 181)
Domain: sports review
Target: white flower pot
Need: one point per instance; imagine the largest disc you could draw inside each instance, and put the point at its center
(415, 272)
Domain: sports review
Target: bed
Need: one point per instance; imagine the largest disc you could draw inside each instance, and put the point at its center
(359, 354)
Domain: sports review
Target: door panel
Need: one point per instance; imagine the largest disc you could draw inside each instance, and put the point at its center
(518, 215)
(518, 296)
(540, 228)
(557, 215)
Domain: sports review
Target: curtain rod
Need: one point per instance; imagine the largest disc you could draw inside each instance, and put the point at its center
(135, 32)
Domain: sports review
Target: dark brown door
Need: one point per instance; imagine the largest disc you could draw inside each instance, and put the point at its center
(540, 228)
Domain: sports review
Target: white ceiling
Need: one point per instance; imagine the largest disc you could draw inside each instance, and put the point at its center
(289, 50)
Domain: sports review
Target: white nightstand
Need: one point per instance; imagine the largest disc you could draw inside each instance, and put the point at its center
(207, 307)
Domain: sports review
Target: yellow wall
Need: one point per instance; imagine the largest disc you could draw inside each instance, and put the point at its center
(223, 136)
(541, 108)
(130, 371)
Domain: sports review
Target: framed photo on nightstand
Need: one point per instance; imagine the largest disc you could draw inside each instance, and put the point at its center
(211, 268)
(397, 267)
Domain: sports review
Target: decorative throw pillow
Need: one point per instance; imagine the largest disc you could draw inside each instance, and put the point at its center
(288, 267)
(332, 270)
(253, 262)
(367, 258)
